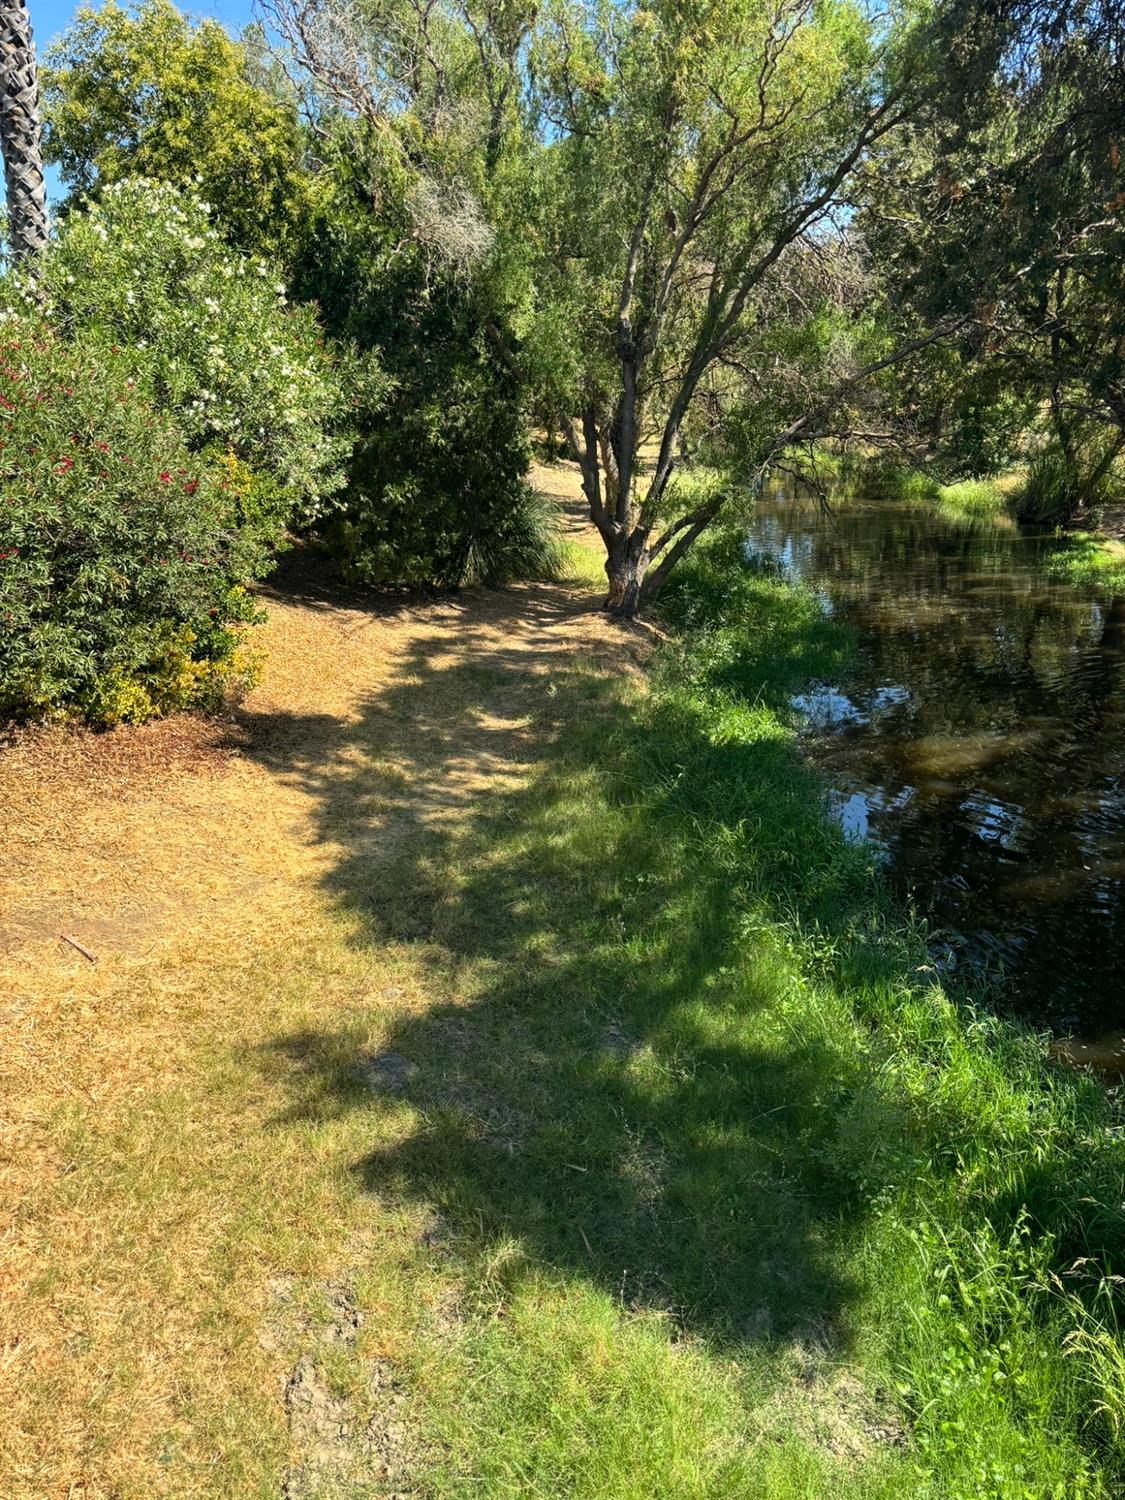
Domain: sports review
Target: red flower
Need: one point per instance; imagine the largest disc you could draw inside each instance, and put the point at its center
(191, 486)
(165, 477)
(67, 463)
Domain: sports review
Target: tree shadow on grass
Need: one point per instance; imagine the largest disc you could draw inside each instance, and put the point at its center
(613, 1082)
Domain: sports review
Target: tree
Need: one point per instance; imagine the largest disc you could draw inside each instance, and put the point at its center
(148, 93)
(20, 135)
(702, 154)
(415, 254)
(437, 494)
(641, 173)
(1004, 204)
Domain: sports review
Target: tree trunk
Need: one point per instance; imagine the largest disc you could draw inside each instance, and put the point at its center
(1090, 483)
(20, 133)
(626, 566)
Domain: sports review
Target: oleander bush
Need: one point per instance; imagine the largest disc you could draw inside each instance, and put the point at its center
(209, 335)
(123, 560)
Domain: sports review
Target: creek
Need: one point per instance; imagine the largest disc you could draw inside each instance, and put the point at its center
(977, 741)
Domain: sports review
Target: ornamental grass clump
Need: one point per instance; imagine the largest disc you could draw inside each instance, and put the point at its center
(122, 564)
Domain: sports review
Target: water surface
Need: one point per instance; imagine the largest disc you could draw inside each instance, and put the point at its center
(978, 742)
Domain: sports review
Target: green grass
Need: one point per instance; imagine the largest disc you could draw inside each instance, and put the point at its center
(1050, 493)
(735, 1200)
(1090, 562)
(968, 500)
(700, 1186)
(974, 497)
(582, 564)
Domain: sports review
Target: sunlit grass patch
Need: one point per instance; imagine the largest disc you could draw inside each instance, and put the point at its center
(582, 562)
(594, 1399)
(1090, 562)
(972, 498)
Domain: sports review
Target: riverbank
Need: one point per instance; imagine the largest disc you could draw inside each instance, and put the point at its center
(1091, 561)
(1094, 539)
(995, 499)
(498, 1078)
(1090, 558)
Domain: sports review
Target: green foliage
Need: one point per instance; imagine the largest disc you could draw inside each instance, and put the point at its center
(1003, 212)
(1056, 487)
(147, 93)
(124, 564)
(660, 99)
(1090, 562)
(436, 492)
(209, 335)
(737, 1199)
(996, 1173)
(960, 407)
(885, 477)
(971, 497)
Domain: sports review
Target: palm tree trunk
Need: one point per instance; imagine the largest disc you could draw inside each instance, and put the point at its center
(21, 133)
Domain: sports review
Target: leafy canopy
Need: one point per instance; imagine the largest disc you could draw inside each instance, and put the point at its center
(146, 92)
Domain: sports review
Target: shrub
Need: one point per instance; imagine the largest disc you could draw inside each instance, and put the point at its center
(1055, 488)
(437, 494)
(122, 563)
(208, 335)
(438, 499)
(1048, 494)
(522, 541)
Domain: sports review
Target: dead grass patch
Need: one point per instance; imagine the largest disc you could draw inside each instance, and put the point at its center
(158, 1179)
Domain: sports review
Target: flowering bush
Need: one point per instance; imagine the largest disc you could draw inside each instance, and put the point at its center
(122, 562)
(208, 334)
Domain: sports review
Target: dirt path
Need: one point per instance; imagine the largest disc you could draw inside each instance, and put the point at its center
(156, 1229)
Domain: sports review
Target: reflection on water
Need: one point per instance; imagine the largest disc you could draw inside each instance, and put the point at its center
(979, 743)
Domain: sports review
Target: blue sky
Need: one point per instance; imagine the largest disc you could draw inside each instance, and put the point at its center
(49, 19)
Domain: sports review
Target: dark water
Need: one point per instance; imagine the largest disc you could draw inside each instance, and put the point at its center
(979, 742)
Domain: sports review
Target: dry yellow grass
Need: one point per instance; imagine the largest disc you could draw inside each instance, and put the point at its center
(155, 1207)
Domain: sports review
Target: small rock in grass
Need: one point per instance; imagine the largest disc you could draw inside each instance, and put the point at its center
(386, 1072)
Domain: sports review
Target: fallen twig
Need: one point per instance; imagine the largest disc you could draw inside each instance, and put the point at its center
(74, 943)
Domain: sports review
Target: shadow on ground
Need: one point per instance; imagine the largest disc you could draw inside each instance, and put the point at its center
(612, 1082)
(494, 805)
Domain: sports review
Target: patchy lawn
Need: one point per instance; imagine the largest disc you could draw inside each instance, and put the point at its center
(493, 1077)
